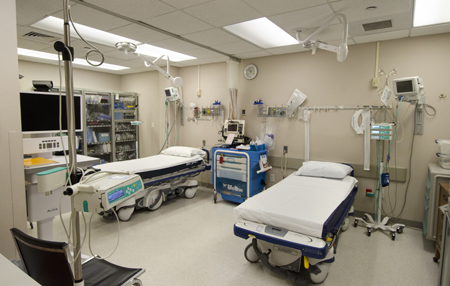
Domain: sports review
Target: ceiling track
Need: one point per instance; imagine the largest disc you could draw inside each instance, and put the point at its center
(145, 25)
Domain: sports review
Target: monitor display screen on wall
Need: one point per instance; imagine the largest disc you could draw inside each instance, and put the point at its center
(40, 112)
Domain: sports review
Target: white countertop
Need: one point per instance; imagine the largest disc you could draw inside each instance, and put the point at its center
(12, 275)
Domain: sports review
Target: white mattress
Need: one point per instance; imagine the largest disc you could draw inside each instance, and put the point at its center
(151, 163)
(297, 203)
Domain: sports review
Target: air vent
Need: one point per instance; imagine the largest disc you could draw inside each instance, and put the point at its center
(39, 37)
(377, 25)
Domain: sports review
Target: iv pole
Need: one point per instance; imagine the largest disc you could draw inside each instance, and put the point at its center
(68, 57)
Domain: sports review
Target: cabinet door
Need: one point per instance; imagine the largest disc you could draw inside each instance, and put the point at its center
(125, 132)
(98, 126)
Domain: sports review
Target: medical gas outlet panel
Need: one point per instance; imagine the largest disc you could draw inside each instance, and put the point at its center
(265, 111)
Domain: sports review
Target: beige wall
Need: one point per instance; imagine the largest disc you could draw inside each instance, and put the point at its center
(325, 81)
(12, 190)
(81, 78)
(328, 82)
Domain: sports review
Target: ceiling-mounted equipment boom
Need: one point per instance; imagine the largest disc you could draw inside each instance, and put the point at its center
(311, 43)
(130, 48)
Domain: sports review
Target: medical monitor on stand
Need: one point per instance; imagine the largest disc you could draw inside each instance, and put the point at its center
(40, 118)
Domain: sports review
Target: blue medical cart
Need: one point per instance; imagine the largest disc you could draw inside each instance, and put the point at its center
(234, 174)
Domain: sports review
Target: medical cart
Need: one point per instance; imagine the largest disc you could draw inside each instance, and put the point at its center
(236, 174)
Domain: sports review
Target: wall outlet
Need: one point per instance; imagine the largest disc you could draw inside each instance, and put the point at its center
(375, 82)
(199, 92)
(285, 150)
(204, 143)
(272, 177)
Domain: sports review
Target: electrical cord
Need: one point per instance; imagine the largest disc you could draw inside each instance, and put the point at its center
(118, 235)
(94, 49)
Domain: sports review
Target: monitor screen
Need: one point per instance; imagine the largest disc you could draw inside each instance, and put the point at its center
(404, 86)
(40, 112)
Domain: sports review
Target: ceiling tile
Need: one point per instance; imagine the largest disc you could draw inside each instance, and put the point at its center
(212, 37)
(137, 9)
(179, 22)
(381, 36)
(271, 8)
(175, 45)
(140, 33)
(253, 55)
(355, 10)
(22, 30)
(400, 21)
(237, 48)
(29, 12)
(220, 13)
(438, 29)
(92, 18)
(181, 4)
(202, 54)
(304, 19)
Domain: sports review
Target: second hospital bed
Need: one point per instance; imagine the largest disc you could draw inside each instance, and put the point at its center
(164, 176)
(296, 223)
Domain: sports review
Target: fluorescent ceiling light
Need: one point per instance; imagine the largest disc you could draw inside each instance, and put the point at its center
(54, 57)
(262, 32)
(154, 51)
(55, 25)
(431, 12)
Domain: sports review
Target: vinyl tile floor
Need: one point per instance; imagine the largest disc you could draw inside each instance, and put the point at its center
(191, 242)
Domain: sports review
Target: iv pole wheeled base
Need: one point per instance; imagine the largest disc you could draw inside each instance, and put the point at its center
(383, 225)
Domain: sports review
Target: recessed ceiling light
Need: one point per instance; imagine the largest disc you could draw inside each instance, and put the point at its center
(54, 57)
(55, 25)
(431, 12)
(262, 32)
(154, 51)
(371, 8)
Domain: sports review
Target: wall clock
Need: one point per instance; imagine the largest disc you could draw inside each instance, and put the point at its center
(250, 71)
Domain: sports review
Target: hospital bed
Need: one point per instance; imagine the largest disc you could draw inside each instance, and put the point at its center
(165, 176)
(295, 225)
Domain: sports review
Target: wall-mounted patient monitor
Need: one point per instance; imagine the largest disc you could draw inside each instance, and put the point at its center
(171, 93)
(408, 88)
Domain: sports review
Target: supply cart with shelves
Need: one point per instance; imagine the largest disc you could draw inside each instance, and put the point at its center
(236, 174)
(126, 130)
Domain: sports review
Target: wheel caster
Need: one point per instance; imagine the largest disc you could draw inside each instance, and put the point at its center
(355, 223)
(400, 230)
(393, 235)
(435, 259)
(369, 231)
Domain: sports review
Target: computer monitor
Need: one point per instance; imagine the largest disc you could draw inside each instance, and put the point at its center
(40, 112)
(408, 88)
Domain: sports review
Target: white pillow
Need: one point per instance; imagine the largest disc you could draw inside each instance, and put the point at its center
(182, 151)
(324, 169)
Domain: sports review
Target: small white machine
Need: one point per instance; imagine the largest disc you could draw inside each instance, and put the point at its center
(381, 131)
(236, 127)
(409, 88)
(171, 93)
(106, 191)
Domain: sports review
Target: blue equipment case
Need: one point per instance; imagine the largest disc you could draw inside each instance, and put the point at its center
(234, 174)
